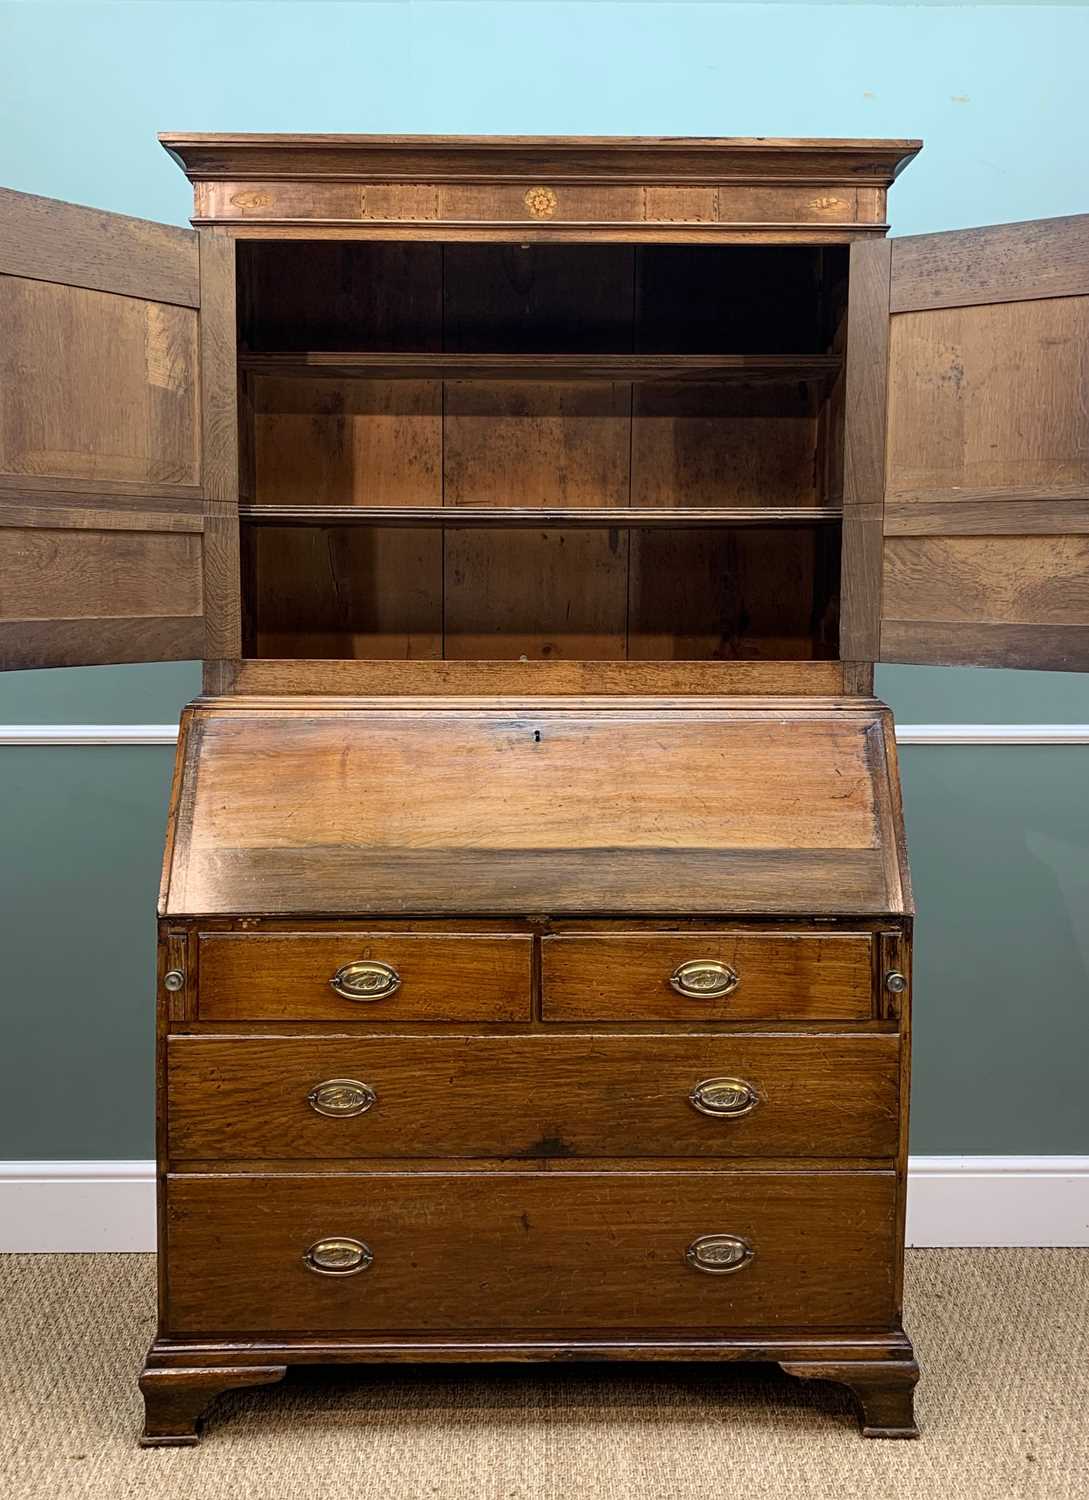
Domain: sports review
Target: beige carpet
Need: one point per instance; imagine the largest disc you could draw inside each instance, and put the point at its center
(1003, 1336)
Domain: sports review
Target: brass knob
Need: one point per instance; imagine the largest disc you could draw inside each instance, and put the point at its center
(895, 982)
(340, 1098)
(704, 979)
(725, 1098)
(339, 1255)
(367, 979)
(174, 980)
(718, 1254)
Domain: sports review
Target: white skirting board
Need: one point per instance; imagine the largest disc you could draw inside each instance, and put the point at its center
(83, 1206)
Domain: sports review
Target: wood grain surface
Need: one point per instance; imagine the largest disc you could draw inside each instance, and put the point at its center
(285, 976)
(625, 977)
(426, 812)
(99, 366)
(514, 1251)
(986, 559)
(233, 1098)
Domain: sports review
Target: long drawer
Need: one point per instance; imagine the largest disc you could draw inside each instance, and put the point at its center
(708, 976)
(529, 1251)
(532, 1096)
(365, 976)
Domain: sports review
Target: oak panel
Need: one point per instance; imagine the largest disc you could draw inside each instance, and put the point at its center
(747, 592)
(989, 397)
(999, 263)
(1055, 509)
(108, 638)
(1012, 580)
(347, 442)
(576, 781)
(232, 1098)
(529, 1251)
(536, 444)
(344, 591)
(522, 680)
(986, 558)
(1047, 648)
(428, 811)
(783, 976)
(719, 445)
(97, 386)
(260, 976)
(50, 574)
(63, 242)
(346, 880)
(553, 595)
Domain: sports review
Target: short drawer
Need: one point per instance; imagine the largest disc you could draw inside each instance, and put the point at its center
(535, 1096)
(709, 976)
(530, 1251)
(364, 976)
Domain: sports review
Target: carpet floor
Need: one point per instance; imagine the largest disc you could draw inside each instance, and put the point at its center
(1002, 1335)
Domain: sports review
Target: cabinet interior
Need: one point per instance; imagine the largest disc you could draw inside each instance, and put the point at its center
(546, 451)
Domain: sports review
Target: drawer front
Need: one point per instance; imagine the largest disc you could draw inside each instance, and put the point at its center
(709, 976)
(530, 1251)
(378, 977)
(245, 1098)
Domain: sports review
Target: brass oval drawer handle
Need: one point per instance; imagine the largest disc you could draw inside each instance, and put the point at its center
(704, 979)
(340, 1255)
(341, 1098)
(367, 979)
(718, 1254)
(725, 1098)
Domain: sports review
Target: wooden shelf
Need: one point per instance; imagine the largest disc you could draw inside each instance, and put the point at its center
(637, 367)
(473, 516)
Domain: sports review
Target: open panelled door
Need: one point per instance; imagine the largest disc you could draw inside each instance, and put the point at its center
(101, 500)
(986, 514)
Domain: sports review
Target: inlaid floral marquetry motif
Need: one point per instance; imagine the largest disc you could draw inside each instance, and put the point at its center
(541, 202)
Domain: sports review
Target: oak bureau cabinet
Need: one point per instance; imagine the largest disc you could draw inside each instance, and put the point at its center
(535, 926)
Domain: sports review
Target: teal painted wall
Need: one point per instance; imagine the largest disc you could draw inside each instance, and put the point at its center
(999, 836)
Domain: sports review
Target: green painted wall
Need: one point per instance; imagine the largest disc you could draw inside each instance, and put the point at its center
(999, 836)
